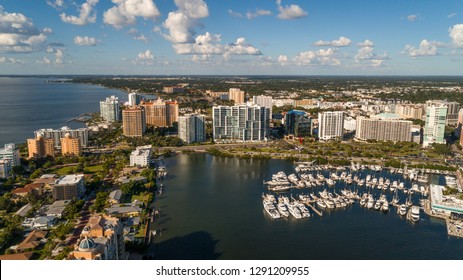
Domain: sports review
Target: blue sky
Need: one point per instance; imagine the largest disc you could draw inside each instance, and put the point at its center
(279, 37)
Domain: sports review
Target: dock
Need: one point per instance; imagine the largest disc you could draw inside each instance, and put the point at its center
(319, 213)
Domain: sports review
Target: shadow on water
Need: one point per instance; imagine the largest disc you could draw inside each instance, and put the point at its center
(195, 246)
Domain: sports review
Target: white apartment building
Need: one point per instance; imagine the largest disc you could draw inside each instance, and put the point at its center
(330, 125)
(141, 156)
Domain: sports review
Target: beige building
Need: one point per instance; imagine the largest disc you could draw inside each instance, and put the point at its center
(410, 111)
(70, 146)
(237, 95)
(40, 147)
(383, 130)
(133, 122)
(160, 113)
(101, 239)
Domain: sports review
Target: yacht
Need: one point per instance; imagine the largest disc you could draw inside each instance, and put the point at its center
(321, 204)
(401, 185)
(294, 210)
(304, 211)
(329, 203)
(385, 207)
(377, 205)
(324, 194)
(279, 188)
(330, 182)
(402, 210)
(270, 209)
(371, 202)
(282, 208)
(363, 200)
(415, 213)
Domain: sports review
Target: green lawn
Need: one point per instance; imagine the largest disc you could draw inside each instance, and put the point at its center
(64, 170)
(142, 198)
(93, 169)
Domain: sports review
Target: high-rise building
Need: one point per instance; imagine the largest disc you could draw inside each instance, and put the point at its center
(11, 152)
(330, 125)
(241, 122)
(5, 168)
(40, 147)
(192, 128)
(237, 95)
(265, 101)
(160, 113)
(383, 130)
(70, 146)
(297, 123)
(69, 187)
(434, 129)
(110, 109)
(134, 99)
(410, 111)
(141, 156)
(133, 122)
(57, 134)
(452, 109)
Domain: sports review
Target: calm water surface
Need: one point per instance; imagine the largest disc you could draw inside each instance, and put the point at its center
(212, 209)
(28, 104)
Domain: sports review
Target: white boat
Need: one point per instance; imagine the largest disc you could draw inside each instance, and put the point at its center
(402, 210)
(321, 204)
(324, 194)
(329, 203)
(304, 211)
(282, 209)
(270, 209)
(377, 205)
(330, 182)
(363, 200)
(279, 188)
(385, 206)
(415, 213)
(371, 202)
(294, 210)
(401, 185)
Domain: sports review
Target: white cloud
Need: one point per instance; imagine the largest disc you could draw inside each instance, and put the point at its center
(180, 27)
(125, 12)
(367, 57)
(86, 14)
(282, 59)
(47, 30)
(452, 15)
(145, 58)
(257, 13)
(59, 55)
(412, 17)
(18, 33)
(85, 41)
(234, 14)
(456, 34)
(426, 48)
(57, 4)
(320, 57)
(240, 47)
(193, 8)
(141, 37)
(290, 11)
(11, 60)
(341, 42)
(366, 43)
(44, 60)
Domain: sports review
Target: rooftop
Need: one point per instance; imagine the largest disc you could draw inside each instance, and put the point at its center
(386, 116)
(73, 179)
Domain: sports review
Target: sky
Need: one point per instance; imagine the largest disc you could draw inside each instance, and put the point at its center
(231, 37)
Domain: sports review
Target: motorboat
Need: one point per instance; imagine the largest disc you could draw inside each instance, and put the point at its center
(402, 210)
(385, 206)
(415, 213)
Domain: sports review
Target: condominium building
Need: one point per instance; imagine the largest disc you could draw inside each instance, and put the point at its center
(434, 129)
(410, 111)
(133, 122)
(70, 146)
(141, 156)
(57, 134)
(10, 152)
(192, 128)
(134, 99)
(69, 187)
(173, 89)
(452, 109)
(241, 122)
(330, 125)
(297, 123)
(40, 147)
(237, 95)
(160, 113)
(262, 100)
(383, 130)
(5, 168)
(110, 109)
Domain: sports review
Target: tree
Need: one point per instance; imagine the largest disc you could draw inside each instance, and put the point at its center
(100, 202)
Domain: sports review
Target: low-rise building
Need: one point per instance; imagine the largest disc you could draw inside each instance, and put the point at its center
(32, 241)
(141, 156)
(444, 204)
(69, 187)
(115, 197)
(34, 188)
(125, 210)
(5, 168)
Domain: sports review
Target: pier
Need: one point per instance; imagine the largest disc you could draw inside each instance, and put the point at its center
(319, 213)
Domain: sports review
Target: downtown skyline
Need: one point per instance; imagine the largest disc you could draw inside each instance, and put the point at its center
(283, 37)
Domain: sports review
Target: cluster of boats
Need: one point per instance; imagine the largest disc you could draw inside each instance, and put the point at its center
(283, 207)
(281, 182)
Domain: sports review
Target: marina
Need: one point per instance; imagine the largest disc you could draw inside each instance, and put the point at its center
(221, 216)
